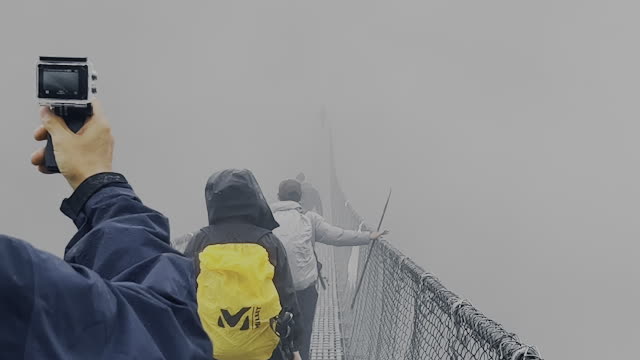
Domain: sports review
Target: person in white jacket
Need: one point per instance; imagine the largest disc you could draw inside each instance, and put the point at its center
(299, 231)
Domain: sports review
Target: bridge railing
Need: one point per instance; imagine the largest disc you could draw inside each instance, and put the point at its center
(404, 312)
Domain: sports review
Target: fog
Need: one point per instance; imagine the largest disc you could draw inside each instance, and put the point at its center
(507, 130)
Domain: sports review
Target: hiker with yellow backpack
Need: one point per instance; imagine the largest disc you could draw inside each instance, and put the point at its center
(246, 299)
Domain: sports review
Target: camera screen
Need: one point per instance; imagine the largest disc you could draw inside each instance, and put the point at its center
(63, 82)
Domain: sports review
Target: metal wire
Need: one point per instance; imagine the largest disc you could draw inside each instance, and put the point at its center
(404, 312)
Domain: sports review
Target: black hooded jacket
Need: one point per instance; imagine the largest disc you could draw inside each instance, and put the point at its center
(239, 213)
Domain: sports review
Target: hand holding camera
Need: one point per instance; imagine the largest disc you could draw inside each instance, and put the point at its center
(79, 155)
(79, 137)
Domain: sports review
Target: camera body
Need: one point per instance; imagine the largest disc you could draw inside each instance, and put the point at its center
(67, 86)
(65, 81)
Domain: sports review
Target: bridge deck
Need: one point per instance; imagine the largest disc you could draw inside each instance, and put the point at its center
(326, 341)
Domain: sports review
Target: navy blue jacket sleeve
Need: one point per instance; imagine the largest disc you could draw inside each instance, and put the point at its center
(122, 292)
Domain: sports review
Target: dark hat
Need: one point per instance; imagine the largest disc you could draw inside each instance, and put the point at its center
(290, 190)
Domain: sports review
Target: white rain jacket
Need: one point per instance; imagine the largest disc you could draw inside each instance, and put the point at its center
(299, 232)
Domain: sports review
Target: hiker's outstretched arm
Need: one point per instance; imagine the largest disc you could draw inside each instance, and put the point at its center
(326, 233)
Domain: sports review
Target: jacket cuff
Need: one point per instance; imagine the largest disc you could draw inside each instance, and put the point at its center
(74, 204)
(364, 238)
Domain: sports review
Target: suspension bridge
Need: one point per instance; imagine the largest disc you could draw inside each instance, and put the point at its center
(402, 311)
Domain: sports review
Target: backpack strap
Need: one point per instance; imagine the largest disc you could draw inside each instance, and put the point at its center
(320, 278)
(319, 264)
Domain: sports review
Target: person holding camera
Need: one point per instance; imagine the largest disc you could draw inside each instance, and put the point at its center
(121, 291)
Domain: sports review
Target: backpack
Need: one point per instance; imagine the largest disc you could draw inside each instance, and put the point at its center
(238, 301)
(296, 234)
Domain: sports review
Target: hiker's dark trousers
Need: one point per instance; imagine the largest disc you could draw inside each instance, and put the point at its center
(307, 299)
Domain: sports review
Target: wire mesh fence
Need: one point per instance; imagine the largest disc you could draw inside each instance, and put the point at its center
(404, 312)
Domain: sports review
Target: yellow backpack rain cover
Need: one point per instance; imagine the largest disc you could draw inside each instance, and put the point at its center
(236, 300)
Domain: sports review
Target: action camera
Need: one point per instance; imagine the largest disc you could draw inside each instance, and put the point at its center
(65, 81)
(67, 85)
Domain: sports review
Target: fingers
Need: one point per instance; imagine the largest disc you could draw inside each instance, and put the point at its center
(53, 123)
(43, 169)
(40, 133)
(37, 158)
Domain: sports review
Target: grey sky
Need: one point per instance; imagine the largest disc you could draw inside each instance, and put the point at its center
(507, 129)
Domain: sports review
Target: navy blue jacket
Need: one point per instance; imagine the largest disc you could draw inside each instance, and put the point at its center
(120, 293)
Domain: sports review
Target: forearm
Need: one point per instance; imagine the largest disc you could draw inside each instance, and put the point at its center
(332, 235)
(350, 238)
(115, 229)
(326, 233)
(76, 207)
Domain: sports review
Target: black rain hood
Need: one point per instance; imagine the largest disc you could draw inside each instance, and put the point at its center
(235, 193)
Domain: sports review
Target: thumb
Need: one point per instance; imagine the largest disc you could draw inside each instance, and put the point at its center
(53, 123)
